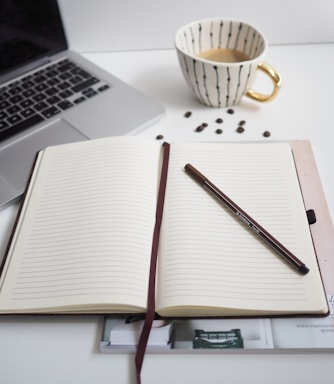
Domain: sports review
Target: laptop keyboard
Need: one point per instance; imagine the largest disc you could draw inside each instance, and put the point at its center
(44, 94)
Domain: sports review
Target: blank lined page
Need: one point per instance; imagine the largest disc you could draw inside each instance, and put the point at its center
(86, 230)
(209, 258)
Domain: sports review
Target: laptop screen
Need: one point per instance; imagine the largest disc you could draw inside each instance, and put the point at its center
(29, 30)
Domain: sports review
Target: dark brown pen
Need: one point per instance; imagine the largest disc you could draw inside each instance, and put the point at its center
(249, 221)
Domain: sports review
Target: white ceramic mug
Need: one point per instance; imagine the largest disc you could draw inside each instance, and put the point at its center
(219, 59)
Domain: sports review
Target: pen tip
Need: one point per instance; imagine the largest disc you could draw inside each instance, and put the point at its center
(303, 269)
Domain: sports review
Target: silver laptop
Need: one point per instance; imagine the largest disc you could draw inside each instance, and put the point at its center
(50, 95)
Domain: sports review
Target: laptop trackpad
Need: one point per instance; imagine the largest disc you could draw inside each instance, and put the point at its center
(17, 159)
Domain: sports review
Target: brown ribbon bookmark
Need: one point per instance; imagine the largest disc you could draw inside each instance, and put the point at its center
(150, 313)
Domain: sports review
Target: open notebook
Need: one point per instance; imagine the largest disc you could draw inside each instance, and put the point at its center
(83, 238)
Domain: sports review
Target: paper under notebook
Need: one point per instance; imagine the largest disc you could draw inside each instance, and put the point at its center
(83, 239)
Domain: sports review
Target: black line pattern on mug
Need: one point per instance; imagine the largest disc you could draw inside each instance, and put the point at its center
(185, 63)
(251, 45)
(246, 40)
(205, 85)
(197, 82)
(211, 35)
(238, 85)
(221, 26)
(227, 98)
(238, 35)
(229, 35)
(217, 85)
(192, 40)
(186, 41)
(199, 37)
(249, 72)
(257, 46)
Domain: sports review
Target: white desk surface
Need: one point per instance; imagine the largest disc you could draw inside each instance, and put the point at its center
(65, 350)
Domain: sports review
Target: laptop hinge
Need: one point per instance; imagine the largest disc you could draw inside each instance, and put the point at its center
(24, 69)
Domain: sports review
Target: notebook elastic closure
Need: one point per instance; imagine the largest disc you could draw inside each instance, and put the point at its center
(311, 216)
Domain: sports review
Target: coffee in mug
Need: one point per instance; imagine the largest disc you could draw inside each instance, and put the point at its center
(224, 55)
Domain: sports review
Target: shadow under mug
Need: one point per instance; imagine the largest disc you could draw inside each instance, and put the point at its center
(219, 83)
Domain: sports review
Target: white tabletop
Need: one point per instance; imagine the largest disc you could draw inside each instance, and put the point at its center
(66, 349)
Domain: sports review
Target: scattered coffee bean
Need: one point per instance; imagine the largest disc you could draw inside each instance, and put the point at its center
(230, 111)
(201, 127)
(242, 122)
(219, 131)
(188, 114)
(219, 120)
(266, 133)
(240, 129)
(159, 137)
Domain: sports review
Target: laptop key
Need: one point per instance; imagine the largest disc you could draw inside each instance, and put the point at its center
(51, 73)
(26, 103)
(3, 125)
(4, 104)
(65, 94)
(51, 91)
(16, 99)
(3, 115)
(41, 87)
(75, 80)
(52, 111)
(53, 100)
(66, 65)
(28, 93)
(64, 85)
(40, 79)
(65, 75)
(89, 92)
(21, 126)
(3, 96)
(14, 119)
(82, 73)
(85, 84)
(13, 109)
(39, 97)
(15, 90)
(27, 112)
(40, 106)
(79, 100)
(53, 81)
(28, 84)
(65, 105)
(103, 88)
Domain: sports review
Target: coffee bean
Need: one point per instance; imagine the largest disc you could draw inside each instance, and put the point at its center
(159, 137)
(240, 129)
(188, 114)
(266, 133)
(242, 122)
(230, 111)
(200, 128)
(219, 131)
(219, 120)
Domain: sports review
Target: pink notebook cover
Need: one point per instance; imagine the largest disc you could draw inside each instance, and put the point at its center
(314, 198)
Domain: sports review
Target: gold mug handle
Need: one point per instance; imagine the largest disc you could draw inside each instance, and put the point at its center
(276, 79)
